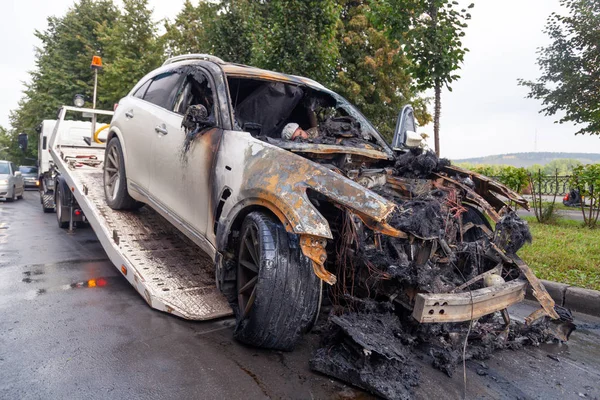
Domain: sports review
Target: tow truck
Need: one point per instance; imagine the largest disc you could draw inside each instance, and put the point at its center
(170, 272)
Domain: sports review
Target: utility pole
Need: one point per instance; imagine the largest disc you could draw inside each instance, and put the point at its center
(96, 65)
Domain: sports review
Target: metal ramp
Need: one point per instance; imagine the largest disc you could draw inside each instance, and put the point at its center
(165, 267)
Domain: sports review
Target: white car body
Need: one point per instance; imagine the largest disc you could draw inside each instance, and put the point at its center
(11, 181)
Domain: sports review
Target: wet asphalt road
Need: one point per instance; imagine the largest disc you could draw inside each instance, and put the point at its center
(64, 337)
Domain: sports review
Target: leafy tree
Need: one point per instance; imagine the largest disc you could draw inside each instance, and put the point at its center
(193, 29)
(130, 50)
(62, 65)
(570, 80)
(431, 32)
(372, 71)
(299, 38)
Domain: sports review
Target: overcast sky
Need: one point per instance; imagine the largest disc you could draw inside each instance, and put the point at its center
(485, 114)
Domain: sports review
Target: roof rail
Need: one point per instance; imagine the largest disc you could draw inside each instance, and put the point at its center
(184, 57)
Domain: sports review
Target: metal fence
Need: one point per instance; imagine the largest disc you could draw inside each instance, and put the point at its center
(549, 185)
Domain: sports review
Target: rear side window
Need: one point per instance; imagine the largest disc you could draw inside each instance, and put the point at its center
(163, 89)
(142, 90)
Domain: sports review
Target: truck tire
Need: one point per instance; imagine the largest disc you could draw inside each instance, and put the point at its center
(115, 180)
(59, 209)
(278, 292)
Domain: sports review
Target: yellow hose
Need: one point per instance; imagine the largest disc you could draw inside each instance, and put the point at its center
(98, 132)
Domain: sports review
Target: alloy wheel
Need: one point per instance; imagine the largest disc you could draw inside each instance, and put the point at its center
(112, 172)
(247, 270)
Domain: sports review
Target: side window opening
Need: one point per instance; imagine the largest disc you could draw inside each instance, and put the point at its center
(142, 90)
(44, 142)
(196, 91)
(163, 89)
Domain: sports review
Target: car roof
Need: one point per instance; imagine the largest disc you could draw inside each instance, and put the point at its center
(240, 70)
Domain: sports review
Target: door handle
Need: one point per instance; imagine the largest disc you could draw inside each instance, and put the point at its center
(161, 129)
(129, 114)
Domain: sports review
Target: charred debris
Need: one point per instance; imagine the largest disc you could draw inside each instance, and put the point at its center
(461, 236)
(451, 232)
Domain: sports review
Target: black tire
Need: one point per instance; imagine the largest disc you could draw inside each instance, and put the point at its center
(59, 210)
(287, 292)
(475, 216)
(117, 196)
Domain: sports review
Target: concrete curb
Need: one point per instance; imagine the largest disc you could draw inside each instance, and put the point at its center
(577, 299)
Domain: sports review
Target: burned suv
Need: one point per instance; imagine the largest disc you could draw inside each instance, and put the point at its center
(286, 185)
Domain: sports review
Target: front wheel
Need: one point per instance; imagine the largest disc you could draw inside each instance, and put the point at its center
(278, 294)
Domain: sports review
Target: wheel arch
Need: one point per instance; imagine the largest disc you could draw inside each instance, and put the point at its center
(235, 218)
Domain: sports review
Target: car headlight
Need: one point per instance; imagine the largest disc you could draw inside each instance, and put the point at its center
(4, 181)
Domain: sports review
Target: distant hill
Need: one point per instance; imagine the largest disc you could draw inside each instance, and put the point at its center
(528, 159)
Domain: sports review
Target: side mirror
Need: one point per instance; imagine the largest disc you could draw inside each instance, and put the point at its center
(18, 173)
(23, 142)
(405, 135)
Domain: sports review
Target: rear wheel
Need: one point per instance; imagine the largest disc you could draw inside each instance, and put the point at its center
(59, 211)
(115, 180)
(278, 293)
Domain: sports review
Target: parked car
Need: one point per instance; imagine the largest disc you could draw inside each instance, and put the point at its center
(30, 176)
(286, 185)
(11, 182)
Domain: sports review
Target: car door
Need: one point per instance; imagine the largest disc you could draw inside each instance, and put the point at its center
(18, 178)
(183, 164)
(139, 118)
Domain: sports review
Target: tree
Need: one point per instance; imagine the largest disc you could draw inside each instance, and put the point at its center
(570, 80)
(131, 49)
(372, 71)
(299, 38)
(62, 66)
(431, 31)
(192, 30)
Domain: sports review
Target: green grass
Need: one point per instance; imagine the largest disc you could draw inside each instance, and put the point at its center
(564, 252)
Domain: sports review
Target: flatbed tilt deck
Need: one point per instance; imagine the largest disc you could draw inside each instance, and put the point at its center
(170, 272)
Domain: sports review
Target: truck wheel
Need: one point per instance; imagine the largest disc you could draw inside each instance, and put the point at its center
(59, 210)
(278, 293)
(115, 181)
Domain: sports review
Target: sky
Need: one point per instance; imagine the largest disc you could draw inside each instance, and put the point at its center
(485, 114)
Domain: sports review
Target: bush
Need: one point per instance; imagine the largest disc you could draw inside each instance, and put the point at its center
(515, 178)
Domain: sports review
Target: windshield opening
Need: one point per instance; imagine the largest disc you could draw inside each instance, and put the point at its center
(277, 111)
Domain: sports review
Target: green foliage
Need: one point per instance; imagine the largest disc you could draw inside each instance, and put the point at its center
(515, 178)
(564, 252)
(569, 82)
(62, 66)
(127, 41)
(431, 32)
(130, 50)
(191, 30)
(373, 71)
(586, 178)
(335, 43)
